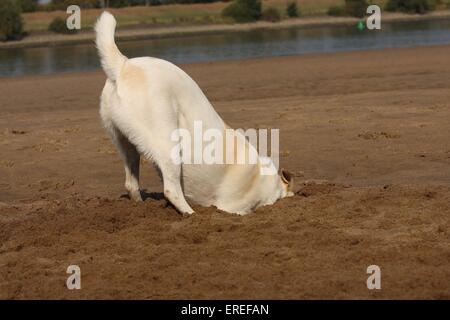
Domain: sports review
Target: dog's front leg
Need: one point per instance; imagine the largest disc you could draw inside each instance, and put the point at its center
(172, 187)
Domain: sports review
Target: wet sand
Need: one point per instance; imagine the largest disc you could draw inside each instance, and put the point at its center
(366, 135)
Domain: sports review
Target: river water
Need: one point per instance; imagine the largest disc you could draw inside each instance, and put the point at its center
(261, 43)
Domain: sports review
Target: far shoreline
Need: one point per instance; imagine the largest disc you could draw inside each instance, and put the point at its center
(158, 32)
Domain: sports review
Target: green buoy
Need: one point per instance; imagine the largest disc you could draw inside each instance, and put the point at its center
(360, 25)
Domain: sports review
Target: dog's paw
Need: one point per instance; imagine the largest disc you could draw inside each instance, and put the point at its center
(186, 214)
(135, 196)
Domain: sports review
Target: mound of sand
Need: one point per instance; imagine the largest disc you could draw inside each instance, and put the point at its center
(365, 133)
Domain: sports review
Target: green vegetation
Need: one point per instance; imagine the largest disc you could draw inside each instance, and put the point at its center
(63, 4)
(271, 14)
(11, 26)
(89, 4)
(58, 25)
(185, 14)
(356, 8)
(336, 11)
(353, 8)
(243, 10)
(411, 6)
(28, 5)
(292, 10)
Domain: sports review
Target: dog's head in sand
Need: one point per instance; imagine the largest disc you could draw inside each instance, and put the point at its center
(288, 183)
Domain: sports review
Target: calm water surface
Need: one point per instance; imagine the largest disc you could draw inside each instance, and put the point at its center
(262, 43)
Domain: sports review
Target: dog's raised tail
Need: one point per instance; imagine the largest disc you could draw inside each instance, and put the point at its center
(110, 56)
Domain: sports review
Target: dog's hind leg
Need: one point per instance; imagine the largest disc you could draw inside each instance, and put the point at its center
(150, 135)
(132, 163)
(131, 159)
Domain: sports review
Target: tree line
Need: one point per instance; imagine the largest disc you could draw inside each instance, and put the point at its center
(34, 5)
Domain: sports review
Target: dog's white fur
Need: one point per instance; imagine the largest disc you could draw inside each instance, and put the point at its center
(144, 100)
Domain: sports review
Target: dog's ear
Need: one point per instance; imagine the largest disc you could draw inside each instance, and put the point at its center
(286, 176)
(288, 179)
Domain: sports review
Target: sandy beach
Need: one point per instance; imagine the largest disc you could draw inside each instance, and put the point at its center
(366, 135)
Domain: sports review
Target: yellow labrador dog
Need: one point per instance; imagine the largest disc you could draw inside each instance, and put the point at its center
(145, 103)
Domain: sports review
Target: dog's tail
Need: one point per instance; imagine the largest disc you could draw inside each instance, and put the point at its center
(111, 58)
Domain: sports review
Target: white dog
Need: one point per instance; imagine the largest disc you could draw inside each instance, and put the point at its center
(144, 101)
